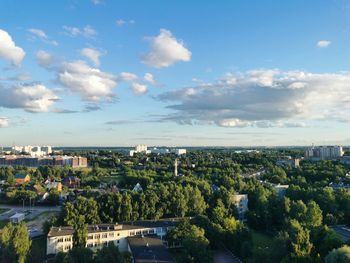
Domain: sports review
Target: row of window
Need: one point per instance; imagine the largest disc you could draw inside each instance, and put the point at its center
(105, 243)
(64, 248)
(148, 231)
(66, 239)
(103, 235)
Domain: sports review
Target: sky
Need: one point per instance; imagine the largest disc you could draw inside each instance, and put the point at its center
(174, 73)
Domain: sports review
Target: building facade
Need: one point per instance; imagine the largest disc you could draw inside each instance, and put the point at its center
(60, 239)
(241, 202)
(324, 152)
(30, 161)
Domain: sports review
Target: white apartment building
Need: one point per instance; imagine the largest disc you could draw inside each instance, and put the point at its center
(60, 239)
(324, 152)
(34, 151)
(140, 148)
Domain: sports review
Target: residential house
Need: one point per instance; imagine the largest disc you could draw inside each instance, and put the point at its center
(21, 178)
(71, 182)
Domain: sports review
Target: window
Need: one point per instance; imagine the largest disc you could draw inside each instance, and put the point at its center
(138, 232)
(151, 231)
(132, 233)
(97, 236)
(117, 241)
(90, 237)
(90, 245)
(67, 239)
(104, 235)
(145, 232)
(60, 240)
(118, 234)
(112, 234)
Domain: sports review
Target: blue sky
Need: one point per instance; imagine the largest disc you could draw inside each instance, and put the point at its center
(119, 73)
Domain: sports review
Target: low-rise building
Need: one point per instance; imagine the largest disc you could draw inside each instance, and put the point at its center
(241, 202)
(17, 218)
(30, 161)
(60, 239)
(288, 161)
(280, 189)
(71, 182)
(148, 249)
(21, 178)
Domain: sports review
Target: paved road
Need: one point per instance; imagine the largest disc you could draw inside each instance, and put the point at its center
(224, 257)
(343, 231)
(30, 214)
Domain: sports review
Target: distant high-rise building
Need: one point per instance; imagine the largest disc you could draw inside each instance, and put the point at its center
(324, 152)
(140, 148)
(35, 151)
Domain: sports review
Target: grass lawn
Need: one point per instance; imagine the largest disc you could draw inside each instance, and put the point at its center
(111, 179)
(262, 245)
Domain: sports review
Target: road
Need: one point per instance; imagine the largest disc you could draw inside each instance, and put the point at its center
(225, 257)
(31, 213)
(343, 231)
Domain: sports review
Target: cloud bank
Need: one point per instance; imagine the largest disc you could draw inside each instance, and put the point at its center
(262, 98)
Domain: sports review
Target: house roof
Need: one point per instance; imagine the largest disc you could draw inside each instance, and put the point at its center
(68, 230)
(20, 176)
(17, 215)
(149, 249)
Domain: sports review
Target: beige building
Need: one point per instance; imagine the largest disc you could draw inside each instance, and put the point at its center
(60, 239)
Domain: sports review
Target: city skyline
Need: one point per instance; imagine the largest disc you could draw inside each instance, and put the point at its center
(238, 73)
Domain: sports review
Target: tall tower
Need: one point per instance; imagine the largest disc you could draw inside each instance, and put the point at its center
(175, 167)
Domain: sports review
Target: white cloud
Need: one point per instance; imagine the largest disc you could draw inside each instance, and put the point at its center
(138, 89)
(262, 98)
(92, 54)
(87, 31)
(323, 43)
(31, 97)
(38, 33)
(165, 51)
(148, 77)
(90, 83)
(4, 122)
(44, 58)
(96, 2)
(121, 22)
(127, 76)
(8, 49)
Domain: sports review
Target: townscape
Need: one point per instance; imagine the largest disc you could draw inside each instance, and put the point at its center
(172, 205)
(174, 131)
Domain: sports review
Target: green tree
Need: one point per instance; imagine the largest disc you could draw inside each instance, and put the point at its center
(340, 255)
(14, 243)
(80, 232)
(299, 241)
(193, 240)
(109, 254)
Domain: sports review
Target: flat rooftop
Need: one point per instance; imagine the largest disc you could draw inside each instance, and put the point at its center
(68, 230)
(149, 249)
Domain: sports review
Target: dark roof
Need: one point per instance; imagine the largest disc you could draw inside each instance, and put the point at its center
(71, 178)
(20, 176)
(149, 249)
(68, 230)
